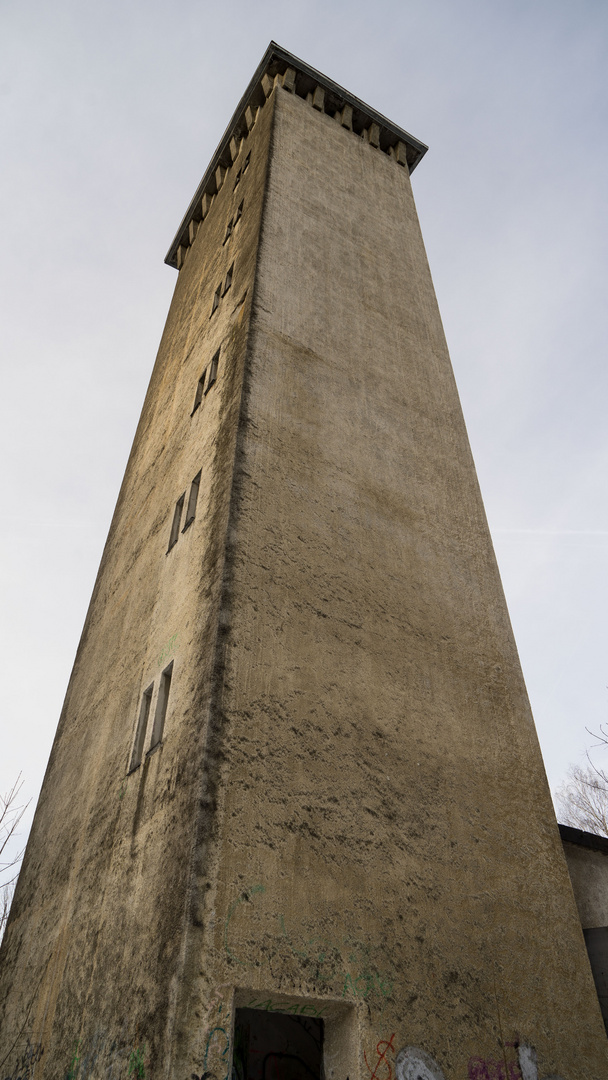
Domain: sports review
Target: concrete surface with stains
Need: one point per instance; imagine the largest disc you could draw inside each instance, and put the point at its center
(347, 816)
(587, 861)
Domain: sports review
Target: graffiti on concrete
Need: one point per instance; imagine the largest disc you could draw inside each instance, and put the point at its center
(23, 1069)
(528, 1063)
(382, 1068)
(524, 1068)
(355, 971)
(366, 984)
(220, 1035)
(211, 1058)
(412, 1063)
(118, 1060)
(518, 1062)
(216, 1053)
(167, 649)
(490, 1069)
(276, 1059)
(74, 1065)
(137, 1066)
(346, 961)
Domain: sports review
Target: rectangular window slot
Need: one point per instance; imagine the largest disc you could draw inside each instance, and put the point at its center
(161, 707)
(213, 372)
(200, 390)
(192, 500)
(246, 163)
(142, 727)
(238, 215)
(228, 232)
(177, 517)
(237, 180)
(228, 281)
(216, 299)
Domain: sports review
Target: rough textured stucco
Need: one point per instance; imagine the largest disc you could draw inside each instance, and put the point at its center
(348, 816)
(387, 835)
(93, 953)
(588, 871)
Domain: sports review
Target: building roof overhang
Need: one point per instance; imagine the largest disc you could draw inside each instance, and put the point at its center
(584, 839)
(275, 62)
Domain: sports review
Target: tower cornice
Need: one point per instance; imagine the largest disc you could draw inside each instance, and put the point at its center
(279, 65)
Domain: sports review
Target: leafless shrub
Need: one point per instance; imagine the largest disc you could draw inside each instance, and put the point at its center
(582, 800)
(11, 813)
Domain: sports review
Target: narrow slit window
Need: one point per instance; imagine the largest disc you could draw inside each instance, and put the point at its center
(200, 390)
(161, 707)
(238, 215)
(229, 228)
(213, 366)
(246, 162)
(216, 299)
(237, 180)
(228, 281)
(177, 517)
(142, 727)
(192, 500)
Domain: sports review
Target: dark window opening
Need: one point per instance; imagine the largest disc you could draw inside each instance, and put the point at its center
(192, 500)
(277, 1046)
(237, 180)
(228, 281)
(142, 727)
(228, 232)
(177, 517)
(213, 371)
(246, 162)
(161, 707)
(200, 390)
(216, 299)
(238, 215)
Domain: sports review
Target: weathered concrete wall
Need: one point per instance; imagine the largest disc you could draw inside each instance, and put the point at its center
(587, 860)
(348, 816)
(387, 839)
(588, 869)
(92, 958)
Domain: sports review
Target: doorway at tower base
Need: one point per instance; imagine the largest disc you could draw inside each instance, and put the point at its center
(277, 1046)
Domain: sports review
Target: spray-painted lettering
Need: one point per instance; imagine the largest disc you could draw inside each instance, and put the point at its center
(382, 1069)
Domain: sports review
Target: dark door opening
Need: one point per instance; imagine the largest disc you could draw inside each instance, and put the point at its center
(277, 1046)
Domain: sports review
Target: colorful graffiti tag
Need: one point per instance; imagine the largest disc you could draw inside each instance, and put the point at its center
(383, 1069)
(346, 961)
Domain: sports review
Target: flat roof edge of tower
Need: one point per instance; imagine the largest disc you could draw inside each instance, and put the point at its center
(276, 61)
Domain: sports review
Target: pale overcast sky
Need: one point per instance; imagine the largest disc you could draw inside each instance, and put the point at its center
(109, 114)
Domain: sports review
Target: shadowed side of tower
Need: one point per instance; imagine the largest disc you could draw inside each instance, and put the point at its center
(340, 822)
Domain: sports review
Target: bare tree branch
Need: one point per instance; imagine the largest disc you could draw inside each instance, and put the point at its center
(601, 737)
(583, 799)
(10, 815)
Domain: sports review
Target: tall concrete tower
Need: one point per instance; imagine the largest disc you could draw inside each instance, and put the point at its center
(295, 824)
